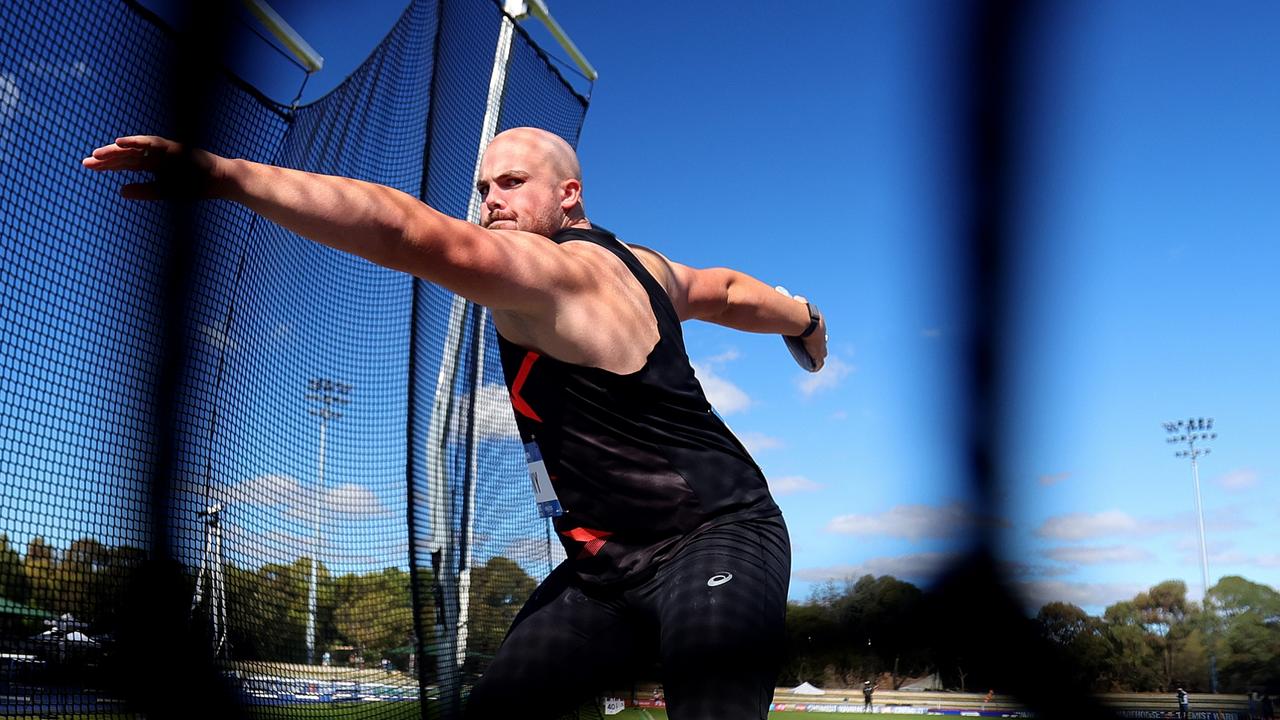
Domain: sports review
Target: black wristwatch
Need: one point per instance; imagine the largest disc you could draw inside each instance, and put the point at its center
(814, 316)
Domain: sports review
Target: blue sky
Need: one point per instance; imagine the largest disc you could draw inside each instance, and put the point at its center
(808, 144)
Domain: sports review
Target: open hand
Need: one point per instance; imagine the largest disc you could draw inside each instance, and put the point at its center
(179, 172)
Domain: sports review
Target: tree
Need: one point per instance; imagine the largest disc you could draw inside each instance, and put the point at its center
(1080, 637)
(78, 578)
(267, 610)
(40, 566)
(811, 629)
(13, 580)
(1061, 623)
(882, 618)
(1133, 664)
(1250, 644)
(1164, 612)
(499, 589)
(375, 611)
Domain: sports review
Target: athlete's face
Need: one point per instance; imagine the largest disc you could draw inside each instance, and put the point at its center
(522, 185)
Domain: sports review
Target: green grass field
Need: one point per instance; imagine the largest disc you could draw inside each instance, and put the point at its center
(655, 714)
(409, 710)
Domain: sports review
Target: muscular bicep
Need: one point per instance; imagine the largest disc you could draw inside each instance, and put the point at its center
(503, 270)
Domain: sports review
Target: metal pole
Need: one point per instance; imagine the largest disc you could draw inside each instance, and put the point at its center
(1204, 555)
(287, 36)
(218, 589)
(454, 577)
(315, 555)
(328, 393)
(1191, 431)
(1204, 572)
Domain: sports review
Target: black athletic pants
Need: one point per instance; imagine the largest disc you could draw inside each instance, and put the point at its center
(712, 615)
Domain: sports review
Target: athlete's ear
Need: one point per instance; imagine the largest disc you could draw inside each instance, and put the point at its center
(570, 194)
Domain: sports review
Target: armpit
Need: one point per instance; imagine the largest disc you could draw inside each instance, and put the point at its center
(659, 267)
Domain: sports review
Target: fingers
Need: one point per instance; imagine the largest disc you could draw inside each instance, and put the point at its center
(786, 292)
(146, 142)
(114, 158)
(132, 152)
(819, 355)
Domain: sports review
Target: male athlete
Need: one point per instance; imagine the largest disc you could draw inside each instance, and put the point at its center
(676, 551)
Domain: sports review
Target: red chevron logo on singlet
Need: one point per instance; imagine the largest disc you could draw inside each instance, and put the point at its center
(519, 403)
(594, 540)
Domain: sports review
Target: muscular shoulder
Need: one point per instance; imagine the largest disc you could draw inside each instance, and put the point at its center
(662, 270)
(605, 321)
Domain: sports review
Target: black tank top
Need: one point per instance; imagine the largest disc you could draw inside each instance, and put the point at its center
(640, 463)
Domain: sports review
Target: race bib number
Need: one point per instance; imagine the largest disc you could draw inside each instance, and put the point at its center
(543, 493)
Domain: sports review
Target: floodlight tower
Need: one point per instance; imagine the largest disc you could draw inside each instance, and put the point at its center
(1190, 432)
(328, 394)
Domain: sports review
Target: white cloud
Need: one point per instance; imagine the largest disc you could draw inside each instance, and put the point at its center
(493, 414)
(840, 415)
(1083, 526)
(1190, 543)
(913, 522)
(723, 395)
(1268, 561)
(64, 72)
(1012, 569)
(758, 442)
(10, 97)
(1054, 478)
(10, 106)
(269, 489)
(1228, 518)
(254, 549)
(350, 499)
(727, 356)
(791, 484)
(918, 566)
(1218, 551)
(1098, 555)
(1238, 480)
(1037, 593)
(298, 500)
(827, 378)
(216, 338)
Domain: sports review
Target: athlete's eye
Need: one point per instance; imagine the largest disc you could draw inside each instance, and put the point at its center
(483, 189)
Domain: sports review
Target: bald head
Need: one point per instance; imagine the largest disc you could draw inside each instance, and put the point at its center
(560, 158)
(530, 180)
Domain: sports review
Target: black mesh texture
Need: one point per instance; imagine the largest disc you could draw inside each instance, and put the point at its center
(284, 342)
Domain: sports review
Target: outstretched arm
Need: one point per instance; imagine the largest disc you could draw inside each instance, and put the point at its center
(736, 300)
(504, 270)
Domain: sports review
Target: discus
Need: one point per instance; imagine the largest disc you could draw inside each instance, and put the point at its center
(795, 344)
